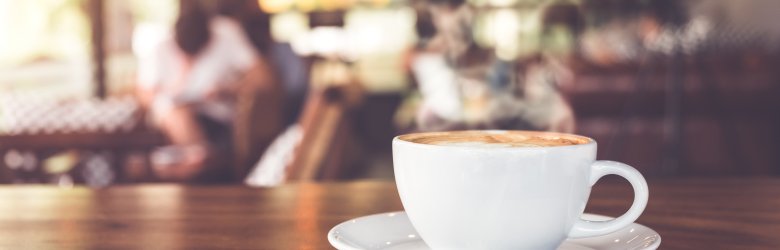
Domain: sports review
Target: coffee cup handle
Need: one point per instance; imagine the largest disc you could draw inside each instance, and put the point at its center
(583, 228)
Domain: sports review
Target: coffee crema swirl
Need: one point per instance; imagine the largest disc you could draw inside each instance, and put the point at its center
(495, 139)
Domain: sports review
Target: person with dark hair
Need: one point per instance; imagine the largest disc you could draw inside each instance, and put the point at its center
(186, 87)
(192, 30)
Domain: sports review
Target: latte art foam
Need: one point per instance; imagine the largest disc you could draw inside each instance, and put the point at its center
(493, 139)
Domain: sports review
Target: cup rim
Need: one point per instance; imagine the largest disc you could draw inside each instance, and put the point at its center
(590, 141)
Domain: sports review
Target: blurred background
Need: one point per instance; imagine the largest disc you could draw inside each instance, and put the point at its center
(262, 92)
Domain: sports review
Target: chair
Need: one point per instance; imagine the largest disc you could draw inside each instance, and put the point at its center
(259, 119)
(327, 146)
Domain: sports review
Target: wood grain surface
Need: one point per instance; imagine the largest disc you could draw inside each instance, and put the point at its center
(733, 213)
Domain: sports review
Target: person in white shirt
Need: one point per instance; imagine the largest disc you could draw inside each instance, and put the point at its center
(186, 79)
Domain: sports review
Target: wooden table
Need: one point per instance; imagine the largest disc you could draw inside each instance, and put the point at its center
(688, 213)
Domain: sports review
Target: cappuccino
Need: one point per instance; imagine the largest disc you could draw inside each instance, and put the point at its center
(504, 189)
(495, 139)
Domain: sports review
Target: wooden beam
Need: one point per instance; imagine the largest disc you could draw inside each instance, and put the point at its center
(98, 47)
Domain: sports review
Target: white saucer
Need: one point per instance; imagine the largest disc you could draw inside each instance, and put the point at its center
(394, 231)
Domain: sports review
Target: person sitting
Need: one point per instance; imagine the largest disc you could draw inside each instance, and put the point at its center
(188, 86)
(463, 86)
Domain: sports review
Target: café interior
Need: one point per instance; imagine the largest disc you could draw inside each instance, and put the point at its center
(286, 96)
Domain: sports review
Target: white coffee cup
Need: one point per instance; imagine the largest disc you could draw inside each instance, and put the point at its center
(468, 195)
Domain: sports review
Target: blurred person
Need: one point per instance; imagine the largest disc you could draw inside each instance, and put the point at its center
(463, 86)
(416, 57)
(292, 70)
(189, 86)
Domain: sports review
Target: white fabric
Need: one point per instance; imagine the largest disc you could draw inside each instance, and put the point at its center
(437, 82)
(270, 170)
